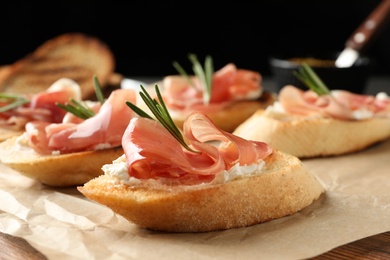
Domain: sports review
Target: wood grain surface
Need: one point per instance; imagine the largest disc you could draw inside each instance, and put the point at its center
(17, 248)
(375, 247)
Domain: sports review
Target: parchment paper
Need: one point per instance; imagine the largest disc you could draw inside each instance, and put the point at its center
(62, 224)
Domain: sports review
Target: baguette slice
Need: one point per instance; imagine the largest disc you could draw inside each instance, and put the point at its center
(56, 170)
(306, 137)
(71, 55)
(284, 188)
(6, 133)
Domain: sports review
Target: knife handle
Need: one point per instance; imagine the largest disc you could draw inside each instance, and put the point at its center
(370, 27)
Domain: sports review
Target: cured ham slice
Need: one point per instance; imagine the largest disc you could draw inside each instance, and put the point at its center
(340, 104)
(229, 84)
(235, 94)
(152, 152)
(103, 130)
(42, 106)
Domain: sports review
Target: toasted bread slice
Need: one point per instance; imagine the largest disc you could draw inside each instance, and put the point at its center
(72, 55)
(56, 170)
(6, 133)
(307, 137)
(284, 188)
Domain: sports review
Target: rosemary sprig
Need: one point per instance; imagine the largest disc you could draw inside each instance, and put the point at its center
(98, 90)
(204, 74)
(15, 101)
(307, 75)
(80, 109)
(161, 112)
(77, 108)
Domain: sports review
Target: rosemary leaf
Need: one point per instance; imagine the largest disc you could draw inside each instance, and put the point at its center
(204, 74)
(81, 110)
(78, 109)
(18, 101)
(98, 90)
(138, 110)
(307, 75)
(10, 96)
(209, 70)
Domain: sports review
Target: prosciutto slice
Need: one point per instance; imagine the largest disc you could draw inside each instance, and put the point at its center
(103, 130)
(152, 152)
(340, 104)
(42, 106)
(229, 84)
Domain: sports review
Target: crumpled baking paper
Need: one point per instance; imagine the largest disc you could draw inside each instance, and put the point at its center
(63, 224)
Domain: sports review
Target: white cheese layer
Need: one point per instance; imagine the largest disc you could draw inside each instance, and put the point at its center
(118, 170)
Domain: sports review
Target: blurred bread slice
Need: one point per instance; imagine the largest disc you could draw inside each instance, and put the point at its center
(56, 170)
(309, 137)
(71, 55)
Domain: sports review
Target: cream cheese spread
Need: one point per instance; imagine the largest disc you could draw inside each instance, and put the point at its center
(118, 170)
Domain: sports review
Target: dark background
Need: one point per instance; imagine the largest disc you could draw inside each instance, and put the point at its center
(146, 36)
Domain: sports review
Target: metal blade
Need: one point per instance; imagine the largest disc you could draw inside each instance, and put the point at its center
(347, 58)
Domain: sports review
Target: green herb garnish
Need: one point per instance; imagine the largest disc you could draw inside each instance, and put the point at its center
(80, 109)
(13, 100)
(161, 112)
(307, 75)
(204, 74)
(98, 90)
(77, 108)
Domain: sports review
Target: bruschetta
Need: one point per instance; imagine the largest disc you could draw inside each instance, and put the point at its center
(227, 96)
(72, 151)
(206, 179)
(315, 123)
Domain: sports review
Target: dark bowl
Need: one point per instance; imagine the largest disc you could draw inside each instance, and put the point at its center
(353, 78)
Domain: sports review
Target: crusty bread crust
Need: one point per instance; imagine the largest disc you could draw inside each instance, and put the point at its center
(284, 188)
(4, 70)
(314, 137)
(56, 170)
(233, 115)
(6, 133)
(71, 55)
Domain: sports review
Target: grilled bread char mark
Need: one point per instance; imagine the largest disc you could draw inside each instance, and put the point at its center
(71, 55)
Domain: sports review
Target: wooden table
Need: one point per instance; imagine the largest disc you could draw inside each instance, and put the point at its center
(374, 247)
